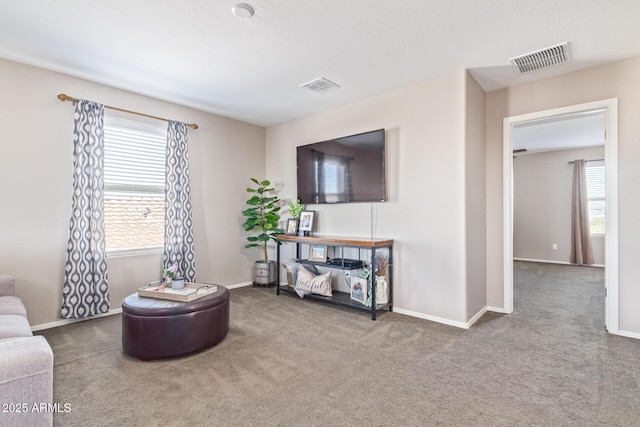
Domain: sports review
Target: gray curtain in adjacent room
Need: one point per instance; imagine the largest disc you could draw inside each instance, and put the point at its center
(178, 230)
(346, 164)
(86, 292)
(581, 249)
(319, 192)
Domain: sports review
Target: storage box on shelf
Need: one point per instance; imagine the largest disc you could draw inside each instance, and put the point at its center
(342, 298)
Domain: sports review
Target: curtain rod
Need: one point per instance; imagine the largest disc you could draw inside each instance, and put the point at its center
(62, 97)
(594, 160)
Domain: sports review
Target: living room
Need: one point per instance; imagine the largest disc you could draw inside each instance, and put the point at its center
(444, 205)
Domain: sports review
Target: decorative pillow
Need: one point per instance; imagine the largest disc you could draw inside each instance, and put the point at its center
(308, 283)
(292, 266)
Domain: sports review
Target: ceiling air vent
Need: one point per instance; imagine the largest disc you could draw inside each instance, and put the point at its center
(320, 85)
(547, 57)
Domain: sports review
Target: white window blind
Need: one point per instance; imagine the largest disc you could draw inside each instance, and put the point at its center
(134, 156)
(596, 193)
(333, 177)
(333, 173)
(134, 178)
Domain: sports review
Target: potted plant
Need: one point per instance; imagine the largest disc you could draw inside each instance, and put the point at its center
(262, 218)
(382, 261)
(170, 280)
(295, 207)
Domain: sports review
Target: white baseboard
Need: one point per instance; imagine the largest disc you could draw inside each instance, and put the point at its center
(628, 334)
(546, 261)
(497, 309)
(555, 262)
(239, 285)
(462, 325)
(457, 324)
(475, 318)
(62, 322)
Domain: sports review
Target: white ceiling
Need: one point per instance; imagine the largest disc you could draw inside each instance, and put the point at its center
(196, 53)
(560, 133)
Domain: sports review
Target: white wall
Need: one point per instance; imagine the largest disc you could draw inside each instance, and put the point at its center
(425, 214)
(475, 198)
(616, 80)
(35, 187)
(542, 189)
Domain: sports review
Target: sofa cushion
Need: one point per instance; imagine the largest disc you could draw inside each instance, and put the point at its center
(28, 356)
(12, 305)
(26, 377)
(14, 325)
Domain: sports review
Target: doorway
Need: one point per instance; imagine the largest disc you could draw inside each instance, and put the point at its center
(609, 107)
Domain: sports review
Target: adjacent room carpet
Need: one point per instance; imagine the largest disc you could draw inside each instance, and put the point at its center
(293, 362)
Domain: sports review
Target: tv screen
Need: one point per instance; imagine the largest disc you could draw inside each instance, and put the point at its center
(343, 170)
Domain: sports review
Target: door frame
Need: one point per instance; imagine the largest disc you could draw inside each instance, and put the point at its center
(610, 107)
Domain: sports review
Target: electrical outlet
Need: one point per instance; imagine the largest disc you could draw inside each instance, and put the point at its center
(554, 246)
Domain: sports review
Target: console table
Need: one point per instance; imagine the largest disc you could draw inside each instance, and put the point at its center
(342, 298)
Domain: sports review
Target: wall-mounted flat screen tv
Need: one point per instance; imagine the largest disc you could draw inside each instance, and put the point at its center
(343, 170)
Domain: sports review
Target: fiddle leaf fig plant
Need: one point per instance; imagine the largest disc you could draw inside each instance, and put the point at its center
(262, 216)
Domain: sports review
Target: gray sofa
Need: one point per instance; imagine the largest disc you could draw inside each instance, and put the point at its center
(26, 365)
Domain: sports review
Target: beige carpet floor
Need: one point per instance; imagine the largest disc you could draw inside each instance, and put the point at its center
(293, 362)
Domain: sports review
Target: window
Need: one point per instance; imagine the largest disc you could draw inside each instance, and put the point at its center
(134, 178)
(332, 170)
(596, 194)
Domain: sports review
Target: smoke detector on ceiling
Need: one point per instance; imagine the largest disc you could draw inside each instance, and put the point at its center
(543, 58)
(320, 85)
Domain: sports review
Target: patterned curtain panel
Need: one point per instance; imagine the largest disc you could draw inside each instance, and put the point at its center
(85, 292)
(178, 229)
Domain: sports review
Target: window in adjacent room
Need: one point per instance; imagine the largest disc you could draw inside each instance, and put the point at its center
(596, 194)
(134, 179)
(332, 179)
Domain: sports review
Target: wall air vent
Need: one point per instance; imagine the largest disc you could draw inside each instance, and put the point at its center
(320, 85)
(543, 58)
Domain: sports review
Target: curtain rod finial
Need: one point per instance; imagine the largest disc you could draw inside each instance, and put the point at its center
(63, 97)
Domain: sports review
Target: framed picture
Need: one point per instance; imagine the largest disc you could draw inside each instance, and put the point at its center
(317, 253)
(359, 289)
(292, 227)
(306, 220)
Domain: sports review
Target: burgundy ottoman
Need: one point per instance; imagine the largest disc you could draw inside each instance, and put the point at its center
(156, 328)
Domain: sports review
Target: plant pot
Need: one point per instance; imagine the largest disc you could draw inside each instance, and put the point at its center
(177, 283)
(265, 273)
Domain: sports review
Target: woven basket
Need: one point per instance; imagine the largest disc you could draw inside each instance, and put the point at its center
(289, 278)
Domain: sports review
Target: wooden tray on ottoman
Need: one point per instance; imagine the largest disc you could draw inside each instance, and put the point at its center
(190, 292)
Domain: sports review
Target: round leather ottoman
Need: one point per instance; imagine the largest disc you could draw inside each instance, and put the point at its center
(156, 328)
